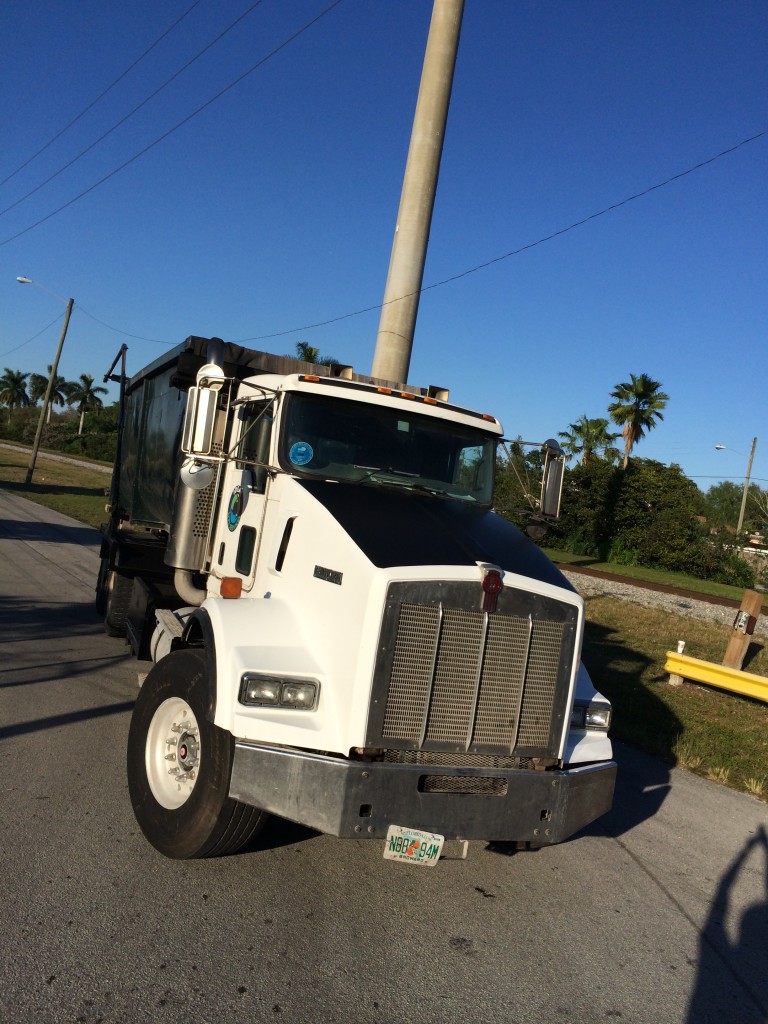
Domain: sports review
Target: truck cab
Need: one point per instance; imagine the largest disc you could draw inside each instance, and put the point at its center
(344, 632)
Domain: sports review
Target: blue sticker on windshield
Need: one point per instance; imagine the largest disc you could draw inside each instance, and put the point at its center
(301, 453)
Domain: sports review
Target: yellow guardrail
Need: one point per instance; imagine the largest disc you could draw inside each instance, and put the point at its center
(744, 683)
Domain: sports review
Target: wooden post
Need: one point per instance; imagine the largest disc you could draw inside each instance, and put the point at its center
(743, 628)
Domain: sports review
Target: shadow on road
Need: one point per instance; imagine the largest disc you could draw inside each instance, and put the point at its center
(279, 832)
(33, 530)
(642, 785)
(639, 718)
(48, 671)
(31, 619)
(55, 721)
(732, 971)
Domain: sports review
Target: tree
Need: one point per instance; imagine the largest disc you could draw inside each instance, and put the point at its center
(309, 354)
(588, 437)
(759, 499)
(13, 390)
(722, 503)
(656, 524)
(85, 397)
(589, 497)
(38, 385)
(722, 506)
(639, 403)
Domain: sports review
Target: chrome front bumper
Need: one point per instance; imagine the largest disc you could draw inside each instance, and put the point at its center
(360, 800)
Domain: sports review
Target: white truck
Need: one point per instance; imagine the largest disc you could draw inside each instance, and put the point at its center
(344, 633)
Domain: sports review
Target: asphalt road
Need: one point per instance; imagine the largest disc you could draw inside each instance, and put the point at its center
(658, 913)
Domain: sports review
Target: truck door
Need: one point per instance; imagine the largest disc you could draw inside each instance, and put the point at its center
(243, 493)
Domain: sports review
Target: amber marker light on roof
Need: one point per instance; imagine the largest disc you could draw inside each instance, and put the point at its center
(311, 378)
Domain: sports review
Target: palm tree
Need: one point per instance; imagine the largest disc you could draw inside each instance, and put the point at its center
(13, 390)
(637, 407)
(38, 384)
(309, 354)
(85, 396)
(588, 437)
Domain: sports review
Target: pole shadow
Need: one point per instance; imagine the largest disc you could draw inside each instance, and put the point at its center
(731, 981)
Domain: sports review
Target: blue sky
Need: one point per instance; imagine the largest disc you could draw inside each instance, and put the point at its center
(274, 208)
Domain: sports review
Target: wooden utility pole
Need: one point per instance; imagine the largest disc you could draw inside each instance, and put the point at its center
(48, 392)
(409, 249)
(743, 628)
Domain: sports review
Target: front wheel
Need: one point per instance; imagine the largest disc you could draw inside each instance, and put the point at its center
(179, 766)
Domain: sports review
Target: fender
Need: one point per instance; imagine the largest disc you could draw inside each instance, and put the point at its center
(584, 746)
(199, 633)
(264, 635)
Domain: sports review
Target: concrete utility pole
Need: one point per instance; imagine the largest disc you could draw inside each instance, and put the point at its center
(409, 249)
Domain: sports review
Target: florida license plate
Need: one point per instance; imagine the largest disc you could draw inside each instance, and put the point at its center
(412, 846)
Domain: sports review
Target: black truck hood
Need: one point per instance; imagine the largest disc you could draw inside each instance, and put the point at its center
(398, 527)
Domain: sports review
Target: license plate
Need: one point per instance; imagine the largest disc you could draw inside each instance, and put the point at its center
(412, 846)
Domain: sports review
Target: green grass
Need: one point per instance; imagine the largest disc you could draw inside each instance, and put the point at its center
(73, 490)
(639, 573)
(716, 734)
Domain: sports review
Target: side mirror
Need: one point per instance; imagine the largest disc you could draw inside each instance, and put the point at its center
(552, 479)
(200, 414)
(197, 435)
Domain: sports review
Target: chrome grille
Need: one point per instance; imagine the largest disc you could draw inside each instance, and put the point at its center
(451, 677)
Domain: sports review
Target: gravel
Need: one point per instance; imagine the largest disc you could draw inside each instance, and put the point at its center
(592, 586)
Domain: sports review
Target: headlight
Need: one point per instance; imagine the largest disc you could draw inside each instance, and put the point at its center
(275, 692)
(591, 716)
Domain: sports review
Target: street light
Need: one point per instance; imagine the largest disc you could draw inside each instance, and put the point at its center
(36, 446)
(723, 447)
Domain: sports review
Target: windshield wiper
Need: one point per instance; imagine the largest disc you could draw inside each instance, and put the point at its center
(433, 490)
(373, 470)
(409, 482)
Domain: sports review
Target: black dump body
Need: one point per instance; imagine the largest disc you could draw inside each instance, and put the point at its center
(153, 414)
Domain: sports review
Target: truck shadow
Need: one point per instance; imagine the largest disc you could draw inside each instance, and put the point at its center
(640, 720)
(279, 832)
(30, 619)
(33, 530)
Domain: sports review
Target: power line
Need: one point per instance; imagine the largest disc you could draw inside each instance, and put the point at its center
(178, 125)
(737, 479)
(127, 334)
(101, 96)
(130, 113)
(522, 248)
(17, 347)
(447, 280)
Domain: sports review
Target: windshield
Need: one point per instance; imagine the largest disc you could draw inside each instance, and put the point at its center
(336, 439)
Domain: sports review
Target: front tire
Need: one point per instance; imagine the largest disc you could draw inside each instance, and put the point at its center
(179, 766)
